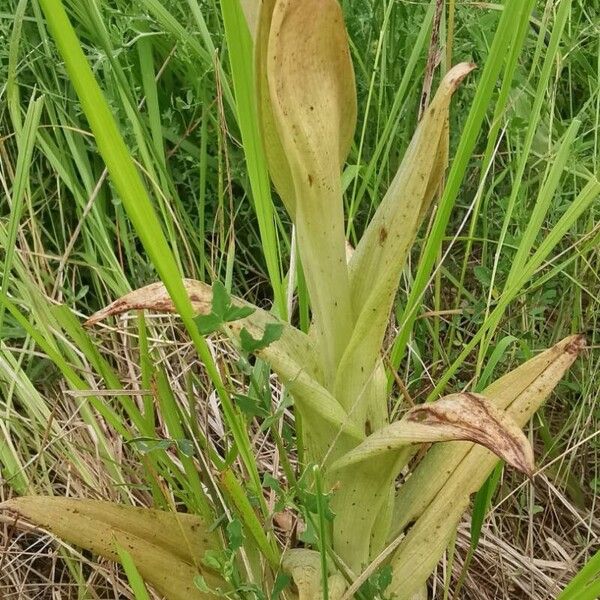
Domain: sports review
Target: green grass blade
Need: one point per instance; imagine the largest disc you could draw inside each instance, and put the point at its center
(133, 575)
(586, 584)
(505, 34)
(140, 210)
(239, 43)
(26, 144)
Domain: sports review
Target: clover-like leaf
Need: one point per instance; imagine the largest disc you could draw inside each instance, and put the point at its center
(272, 333)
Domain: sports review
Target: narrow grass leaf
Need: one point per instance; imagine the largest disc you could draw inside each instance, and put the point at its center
(133, 575)
(239, 44)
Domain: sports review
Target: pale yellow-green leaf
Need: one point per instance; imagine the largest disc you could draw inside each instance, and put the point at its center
(313, 99)
(377, 263)
(279, 169)
(251, 9)
(395, 223)
(328, 431)
(437, 493)
(464, 416)
(365, 475)
(167, 548)
(520, 392)
(305, 567)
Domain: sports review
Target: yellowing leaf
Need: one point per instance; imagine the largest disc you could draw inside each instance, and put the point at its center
(464, 416)
(520, 392)
(313, 99)
(437, 493)
(293, 344)
(278, 165)
(377, 263)
(365, 475)
(167, 548)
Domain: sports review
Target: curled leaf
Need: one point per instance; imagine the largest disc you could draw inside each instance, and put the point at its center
(167, 548)
(292, 344)
(313, 101)
(365, 475)
(464, 416)
(437, 493)
(519, 393)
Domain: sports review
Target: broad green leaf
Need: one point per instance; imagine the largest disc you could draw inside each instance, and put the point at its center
(313, 98)
(366, 474)
(305, 568)
(376, 265)
(167, 548)
(437, 493)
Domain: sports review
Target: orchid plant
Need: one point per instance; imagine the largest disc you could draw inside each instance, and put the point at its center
(306, 106)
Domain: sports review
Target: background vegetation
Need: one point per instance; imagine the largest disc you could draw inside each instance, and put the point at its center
(126, 412)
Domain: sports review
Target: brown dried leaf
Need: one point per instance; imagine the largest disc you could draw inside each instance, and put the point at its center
(464, 416)
(437, 493)
(292, 357)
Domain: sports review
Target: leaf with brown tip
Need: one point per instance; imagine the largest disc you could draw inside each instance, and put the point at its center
(437, 493)
(520, 393)
(167, 548)
(328, 432)
(464, 416)
(364, 475)
(293, 344)
(379, 258)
